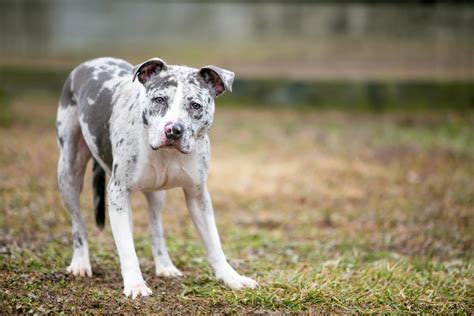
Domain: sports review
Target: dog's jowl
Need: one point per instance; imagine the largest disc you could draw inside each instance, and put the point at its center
(146, 127)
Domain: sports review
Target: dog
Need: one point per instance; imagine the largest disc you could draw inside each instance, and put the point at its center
(146, 127)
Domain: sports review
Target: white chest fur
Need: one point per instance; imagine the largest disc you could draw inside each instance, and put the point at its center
(166, 169)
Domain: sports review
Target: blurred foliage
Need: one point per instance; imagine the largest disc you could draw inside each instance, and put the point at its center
(365, 95)
(6, 114)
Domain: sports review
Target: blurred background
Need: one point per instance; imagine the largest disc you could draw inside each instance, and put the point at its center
(284, 53)
(342, 163)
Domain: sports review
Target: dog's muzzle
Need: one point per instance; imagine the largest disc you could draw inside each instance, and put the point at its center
(173, 138)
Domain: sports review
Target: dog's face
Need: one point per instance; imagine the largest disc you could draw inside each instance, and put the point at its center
(179, 105)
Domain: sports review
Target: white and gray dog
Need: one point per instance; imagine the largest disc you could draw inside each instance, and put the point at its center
(146, 127)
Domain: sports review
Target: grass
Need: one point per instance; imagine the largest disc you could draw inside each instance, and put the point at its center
(329, 211)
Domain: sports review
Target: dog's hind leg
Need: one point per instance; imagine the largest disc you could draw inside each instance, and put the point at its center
(163, 265)
(74, 155)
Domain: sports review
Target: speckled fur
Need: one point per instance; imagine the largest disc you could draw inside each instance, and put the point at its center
(106, 114)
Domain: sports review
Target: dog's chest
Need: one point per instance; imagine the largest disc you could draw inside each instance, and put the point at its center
(167, 170)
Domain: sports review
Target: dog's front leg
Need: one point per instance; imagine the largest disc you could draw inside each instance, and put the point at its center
(200, 207)
(120, 221)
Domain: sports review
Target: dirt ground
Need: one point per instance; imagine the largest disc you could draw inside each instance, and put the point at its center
(329, 211)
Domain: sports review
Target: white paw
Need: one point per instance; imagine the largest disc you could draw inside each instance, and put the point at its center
(137, 290)
(78, 268)
(236, 281)
(168, 272)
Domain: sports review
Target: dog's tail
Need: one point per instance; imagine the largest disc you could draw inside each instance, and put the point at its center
(98, 191)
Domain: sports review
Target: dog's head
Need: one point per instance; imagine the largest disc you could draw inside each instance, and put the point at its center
(179, 105)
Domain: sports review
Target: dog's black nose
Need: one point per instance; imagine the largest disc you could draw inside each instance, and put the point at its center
(174, 131)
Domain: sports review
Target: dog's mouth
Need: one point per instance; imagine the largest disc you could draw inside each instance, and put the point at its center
(172, 144)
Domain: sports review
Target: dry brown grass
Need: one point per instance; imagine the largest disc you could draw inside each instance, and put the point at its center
(330, 211)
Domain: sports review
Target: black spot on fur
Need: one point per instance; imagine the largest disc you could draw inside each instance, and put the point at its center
(170, 83)
(78, 243)
(124, 66)
(145, 121)
(115, 169)
(161, 83)
(119, 143)
(123, 73)
(61, 141)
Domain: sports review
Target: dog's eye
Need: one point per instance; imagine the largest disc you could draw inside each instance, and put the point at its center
(196, 106)
(159, 100)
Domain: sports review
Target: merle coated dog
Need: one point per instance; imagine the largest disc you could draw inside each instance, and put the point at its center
(146, 127)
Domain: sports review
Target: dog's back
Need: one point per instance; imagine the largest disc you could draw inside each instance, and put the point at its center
(90, 88)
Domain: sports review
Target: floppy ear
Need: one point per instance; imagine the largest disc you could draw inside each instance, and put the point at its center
(148, 68)
(217, 78)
